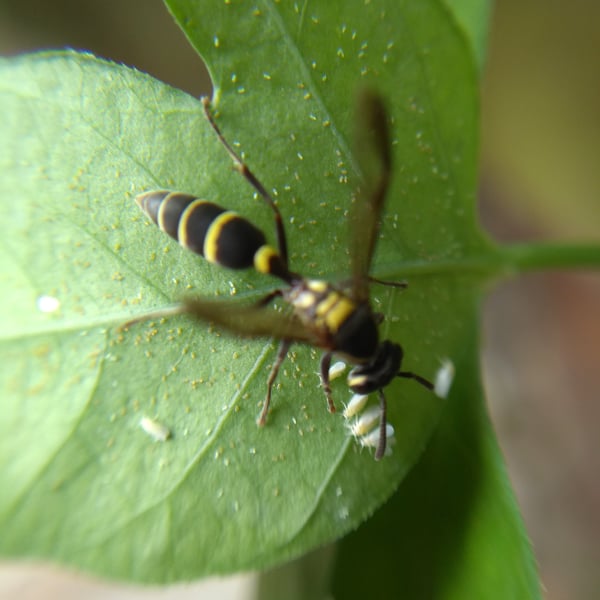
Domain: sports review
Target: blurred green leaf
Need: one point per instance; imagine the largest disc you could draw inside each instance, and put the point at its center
(81, 137)
(473, 16)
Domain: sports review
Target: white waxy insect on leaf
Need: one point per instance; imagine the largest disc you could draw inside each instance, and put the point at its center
(356, 404)
(47, 304)
(336, 369)
(444, 378)
(365, 422)
(157, 431)
(371, 439)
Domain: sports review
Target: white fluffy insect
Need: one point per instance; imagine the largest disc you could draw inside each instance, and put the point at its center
(365, 425)
(372, 439)
(444, 378)
(336, 369)
(47, 304)
(366, 422)
(356, 404)
(157, 431)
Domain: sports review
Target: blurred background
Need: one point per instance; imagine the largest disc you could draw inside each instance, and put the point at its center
(540, 180)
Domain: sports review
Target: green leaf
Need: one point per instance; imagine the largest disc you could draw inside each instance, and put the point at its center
(473, 16)
(81, 138)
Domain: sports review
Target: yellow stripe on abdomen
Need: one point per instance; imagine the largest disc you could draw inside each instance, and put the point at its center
(211, 241)
(264, 257)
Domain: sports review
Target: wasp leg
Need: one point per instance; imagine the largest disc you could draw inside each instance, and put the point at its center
(382, 427)
(267, 299)
(156, 314)
(397, 284)
(242, 168)
(325, 364)
(346, 284)
(284, 346)
(379, 318)
(408, 375)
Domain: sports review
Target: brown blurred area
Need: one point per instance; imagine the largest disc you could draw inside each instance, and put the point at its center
(140, 34)
(540, 166)
(540, 180)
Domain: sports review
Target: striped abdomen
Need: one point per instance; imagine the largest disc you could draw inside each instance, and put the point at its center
(221, 236)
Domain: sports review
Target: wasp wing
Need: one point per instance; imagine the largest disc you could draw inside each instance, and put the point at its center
(373, 149)
(251, 320)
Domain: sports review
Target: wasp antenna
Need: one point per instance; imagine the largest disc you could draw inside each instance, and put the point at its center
(172, 311)
(408, 375)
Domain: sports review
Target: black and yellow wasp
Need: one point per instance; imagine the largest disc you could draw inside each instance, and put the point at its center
(337, 318)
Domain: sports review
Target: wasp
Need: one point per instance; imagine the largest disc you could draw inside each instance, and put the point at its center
(337, 318)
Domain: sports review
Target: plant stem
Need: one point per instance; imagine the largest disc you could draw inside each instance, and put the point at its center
(535, 257)
(502, 261)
